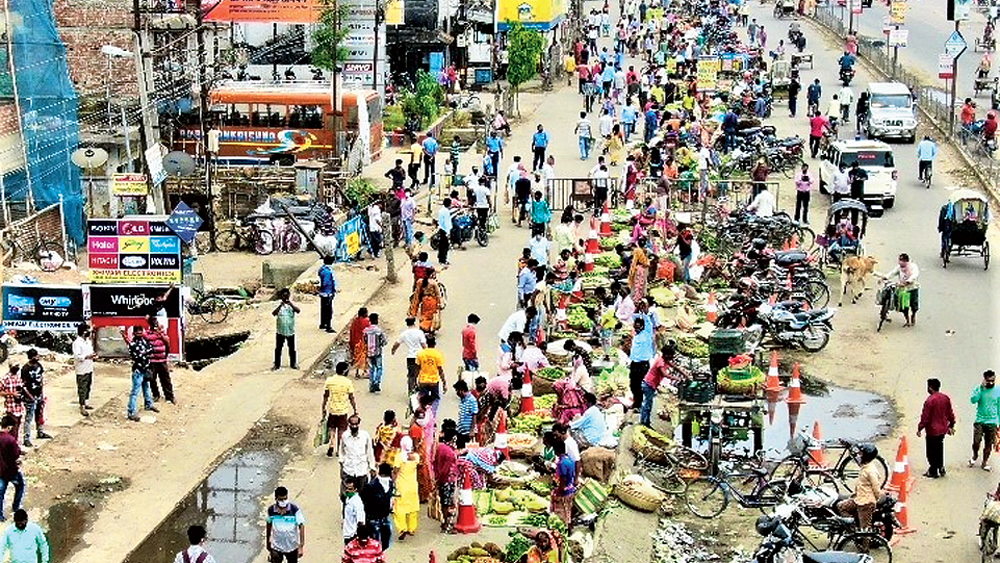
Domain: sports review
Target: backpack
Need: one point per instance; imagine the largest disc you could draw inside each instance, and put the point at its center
(187, 558)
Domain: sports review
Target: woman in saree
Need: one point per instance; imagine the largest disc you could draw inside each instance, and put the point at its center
(495, 414)
(616, 146)
(356, 342)
(639, 273)
(423, 429)
(425, 303)
(480, 464)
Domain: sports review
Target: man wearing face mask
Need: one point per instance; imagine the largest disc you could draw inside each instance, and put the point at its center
(285, 532)
(357, 455)
(354, 512)
(985, 397)
(25, 542)
(378, 497)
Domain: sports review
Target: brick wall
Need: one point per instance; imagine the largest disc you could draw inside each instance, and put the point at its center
(87, 25)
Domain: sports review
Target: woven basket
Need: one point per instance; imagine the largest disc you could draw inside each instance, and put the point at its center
(649, 446)
(640, 498)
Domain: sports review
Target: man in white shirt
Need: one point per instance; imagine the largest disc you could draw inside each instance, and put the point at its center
(195, 552)
(444, 231)
(83, 363)
(414, 340)
(354, 512)
(357, 458)
(375, 229)
(763, 204)
(482, 204)
(472, 179)
(517, 322)
(841, 184)
(605, 124)
(539, 246)
(846, 96)
(548, 170)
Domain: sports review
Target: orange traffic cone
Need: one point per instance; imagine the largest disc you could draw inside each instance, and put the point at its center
(773, 384)
(605, 230)
(712, 309)
(468, 520)
(527, 394)
(500, 441)
(588, 262)
(901, 478)
(593, 246)
(816, 456)
(901, 512)
(433, 557)
(795, 388)
(772, 406)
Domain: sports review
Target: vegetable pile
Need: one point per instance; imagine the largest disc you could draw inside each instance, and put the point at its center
(530, 423)
(692, 348)
(612, 381)
(577, 318)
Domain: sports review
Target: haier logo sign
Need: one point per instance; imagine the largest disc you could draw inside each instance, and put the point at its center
(61, 302)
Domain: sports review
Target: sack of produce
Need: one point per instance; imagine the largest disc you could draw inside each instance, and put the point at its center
(591, 497)
(640, 494)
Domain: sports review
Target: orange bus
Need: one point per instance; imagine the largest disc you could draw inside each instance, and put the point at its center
(284, 122)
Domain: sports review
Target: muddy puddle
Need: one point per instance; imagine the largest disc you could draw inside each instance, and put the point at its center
(229, 503)
(67, 520)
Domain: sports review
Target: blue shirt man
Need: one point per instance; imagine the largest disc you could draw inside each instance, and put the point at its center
(430, 146)
(643, 348)
(540, 139)
(468, 408)
(494, 144)
(526, 282)
(628, 115)
(926, 150)
(327, 280)
(591, 424)
(25, 541)
(327, 289)
(444, 219)
(608, 75)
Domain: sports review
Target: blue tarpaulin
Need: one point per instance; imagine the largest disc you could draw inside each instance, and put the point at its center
(48, 105)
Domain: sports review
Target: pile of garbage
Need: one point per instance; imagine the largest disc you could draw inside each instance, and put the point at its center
(673, 543)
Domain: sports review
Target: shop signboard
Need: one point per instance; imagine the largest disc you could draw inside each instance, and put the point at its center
(127, 305)
(134, 249)
(42, 307)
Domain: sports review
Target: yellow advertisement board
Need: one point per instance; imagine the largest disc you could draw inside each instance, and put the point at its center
(708, 73)
(533, 14)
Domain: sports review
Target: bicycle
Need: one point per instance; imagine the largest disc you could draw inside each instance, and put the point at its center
(664, 478)
(888, 301)
(845, 469)
(709, 496)
(211, 308)
(245, 235)
(841, 533)
(47, 254)
(925, 172)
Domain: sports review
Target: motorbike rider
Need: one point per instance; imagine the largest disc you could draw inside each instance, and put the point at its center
(847, 62)
(926, 151)
(985, 66)
(990, 129)
(867, 489)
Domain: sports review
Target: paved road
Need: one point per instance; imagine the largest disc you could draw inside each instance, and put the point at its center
(954, 339)
(928, 32)
(895, 362)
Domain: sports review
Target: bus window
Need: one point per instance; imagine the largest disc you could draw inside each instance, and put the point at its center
(278, 115)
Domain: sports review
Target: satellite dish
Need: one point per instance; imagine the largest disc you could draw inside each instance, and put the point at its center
(89, 157)
(178, 163)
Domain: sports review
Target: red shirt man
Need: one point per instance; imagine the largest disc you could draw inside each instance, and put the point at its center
(470, 350)
(938, 419)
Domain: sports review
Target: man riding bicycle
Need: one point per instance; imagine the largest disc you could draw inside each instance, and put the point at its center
(926, 151)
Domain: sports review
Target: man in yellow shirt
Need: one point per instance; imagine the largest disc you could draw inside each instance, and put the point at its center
(569, 65)
(867, 490)
(431, 374)
(413, 168)
(338, 404)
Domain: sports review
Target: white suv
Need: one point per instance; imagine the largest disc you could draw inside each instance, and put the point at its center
(875, 157)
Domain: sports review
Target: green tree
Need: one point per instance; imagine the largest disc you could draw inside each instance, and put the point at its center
(425, 100)
(328, 37)
(525, 48)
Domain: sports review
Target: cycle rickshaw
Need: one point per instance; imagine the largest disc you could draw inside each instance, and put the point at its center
(837, 242)
(963, 223)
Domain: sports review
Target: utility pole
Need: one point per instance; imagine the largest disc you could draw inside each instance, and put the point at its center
(895, 57)
(390, 260)
(379, 18)
(203, 79)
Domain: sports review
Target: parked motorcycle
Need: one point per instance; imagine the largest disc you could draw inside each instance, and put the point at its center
(463, 230)
(809, 330)
(780, 546)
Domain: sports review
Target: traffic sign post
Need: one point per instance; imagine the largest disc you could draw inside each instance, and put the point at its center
(954, 47)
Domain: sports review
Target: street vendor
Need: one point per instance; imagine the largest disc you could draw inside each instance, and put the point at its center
(545, 549)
